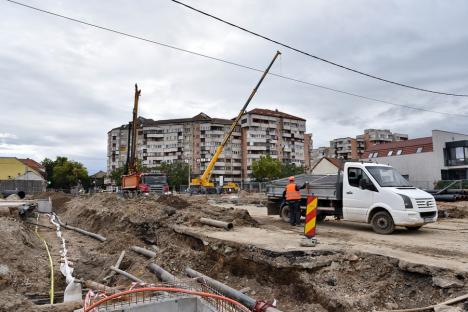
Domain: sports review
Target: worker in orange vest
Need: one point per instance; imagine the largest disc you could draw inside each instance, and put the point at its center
(292, 195)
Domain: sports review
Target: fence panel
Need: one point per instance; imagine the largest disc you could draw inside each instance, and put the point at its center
(27, 186)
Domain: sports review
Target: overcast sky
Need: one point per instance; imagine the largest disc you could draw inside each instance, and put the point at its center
(64, 85)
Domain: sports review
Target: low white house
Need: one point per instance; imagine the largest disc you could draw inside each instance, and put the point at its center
(424, 161)
(327, 165)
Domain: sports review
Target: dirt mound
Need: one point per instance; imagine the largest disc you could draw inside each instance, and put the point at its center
(143, 216)
(173, 201)
(458, 210)
(24, 268)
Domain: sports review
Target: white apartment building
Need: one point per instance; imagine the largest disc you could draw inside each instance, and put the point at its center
(194, 140)
(274, 133)
(353, 148)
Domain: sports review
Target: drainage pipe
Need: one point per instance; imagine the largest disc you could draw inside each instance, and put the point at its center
(143, 251)
(220, 224)
(117, 265)
(98, 286)
(93, 235)
(227, 291)
(127, 275)
(162, 274)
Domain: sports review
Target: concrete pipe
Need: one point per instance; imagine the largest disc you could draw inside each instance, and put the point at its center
(143, 251)
(127, 275)
(226, 290)
(220, 224)
(162, 274)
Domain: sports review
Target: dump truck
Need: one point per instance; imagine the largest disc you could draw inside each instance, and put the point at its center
(363, 192)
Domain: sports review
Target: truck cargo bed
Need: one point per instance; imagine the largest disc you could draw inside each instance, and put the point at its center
(326, 187)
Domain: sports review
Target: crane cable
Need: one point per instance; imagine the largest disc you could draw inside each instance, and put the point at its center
(51, 264)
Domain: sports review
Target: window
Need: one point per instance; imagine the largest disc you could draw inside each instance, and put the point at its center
(387, 176)
(398, 152)
(419, 150)
(459, 155)
(376, 154)
(390, 153)
(370, 155)
(355, 175)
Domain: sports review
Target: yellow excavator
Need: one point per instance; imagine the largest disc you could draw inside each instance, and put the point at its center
(203, 181)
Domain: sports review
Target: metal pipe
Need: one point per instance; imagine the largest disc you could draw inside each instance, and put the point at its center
(445, 197)
(127, 275)
(143, 251)
(162, 274)
(220, 224)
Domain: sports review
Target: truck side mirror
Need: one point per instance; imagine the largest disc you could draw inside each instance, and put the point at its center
(366, 185)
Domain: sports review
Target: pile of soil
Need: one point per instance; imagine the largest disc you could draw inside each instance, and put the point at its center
(457, 210)
(173, 201)
(23, 265)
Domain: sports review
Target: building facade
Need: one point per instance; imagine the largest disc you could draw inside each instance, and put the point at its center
(274, 133)
(353, 148)
(194, 141)
(424, 161)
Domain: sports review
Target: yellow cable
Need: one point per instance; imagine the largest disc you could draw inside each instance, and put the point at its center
(51, 264)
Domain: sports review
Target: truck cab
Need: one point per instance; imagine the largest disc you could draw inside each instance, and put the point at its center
(363, 192)
(154, 183)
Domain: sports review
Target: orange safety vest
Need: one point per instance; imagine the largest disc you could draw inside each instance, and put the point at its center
(291, 193)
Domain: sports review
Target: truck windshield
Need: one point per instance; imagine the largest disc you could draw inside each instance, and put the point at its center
(387, 176)
(153, 180)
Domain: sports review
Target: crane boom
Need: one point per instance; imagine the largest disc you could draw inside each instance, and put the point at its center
(132, 165)
(204, 180)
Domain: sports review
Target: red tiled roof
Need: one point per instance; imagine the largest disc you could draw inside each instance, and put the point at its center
(273, 113)
(338, 163)
(34, 165)
(406, 147)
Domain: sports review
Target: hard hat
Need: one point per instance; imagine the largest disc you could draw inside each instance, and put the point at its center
(291, 178)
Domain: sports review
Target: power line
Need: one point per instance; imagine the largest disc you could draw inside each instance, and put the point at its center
(314, 56)
(234, 63)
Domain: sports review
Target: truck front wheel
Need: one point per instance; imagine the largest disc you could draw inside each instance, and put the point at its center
(382, 223)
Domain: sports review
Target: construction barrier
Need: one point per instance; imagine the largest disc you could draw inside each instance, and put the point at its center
(311, 216)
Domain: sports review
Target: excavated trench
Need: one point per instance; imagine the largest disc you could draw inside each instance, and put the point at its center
(322, 281)
(314, 280)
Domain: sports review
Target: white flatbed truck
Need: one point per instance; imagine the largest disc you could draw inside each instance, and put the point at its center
(363, 192)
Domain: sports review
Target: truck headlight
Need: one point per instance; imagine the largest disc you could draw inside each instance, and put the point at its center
(407, 201)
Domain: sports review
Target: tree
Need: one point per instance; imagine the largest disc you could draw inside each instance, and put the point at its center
(288, 170)
(266, 168)
(116, 175)
(64, 173)
(177, 173)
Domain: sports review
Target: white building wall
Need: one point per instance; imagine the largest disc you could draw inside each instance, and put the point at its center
(420, 168)
(324, 167)
(439, 138)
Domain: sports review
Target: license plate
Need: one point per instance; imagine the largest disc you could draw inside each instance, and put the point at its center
(427, 220)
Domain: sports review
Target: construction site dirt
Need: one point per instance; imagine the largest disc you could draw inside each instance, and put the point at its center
(351, 269)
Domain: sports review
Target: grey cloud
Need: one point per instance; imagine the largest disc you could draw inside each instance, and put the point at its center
(64, 85)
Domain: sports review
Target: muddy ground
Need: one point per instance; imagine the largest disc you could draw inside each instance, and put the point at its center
(322, 279)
